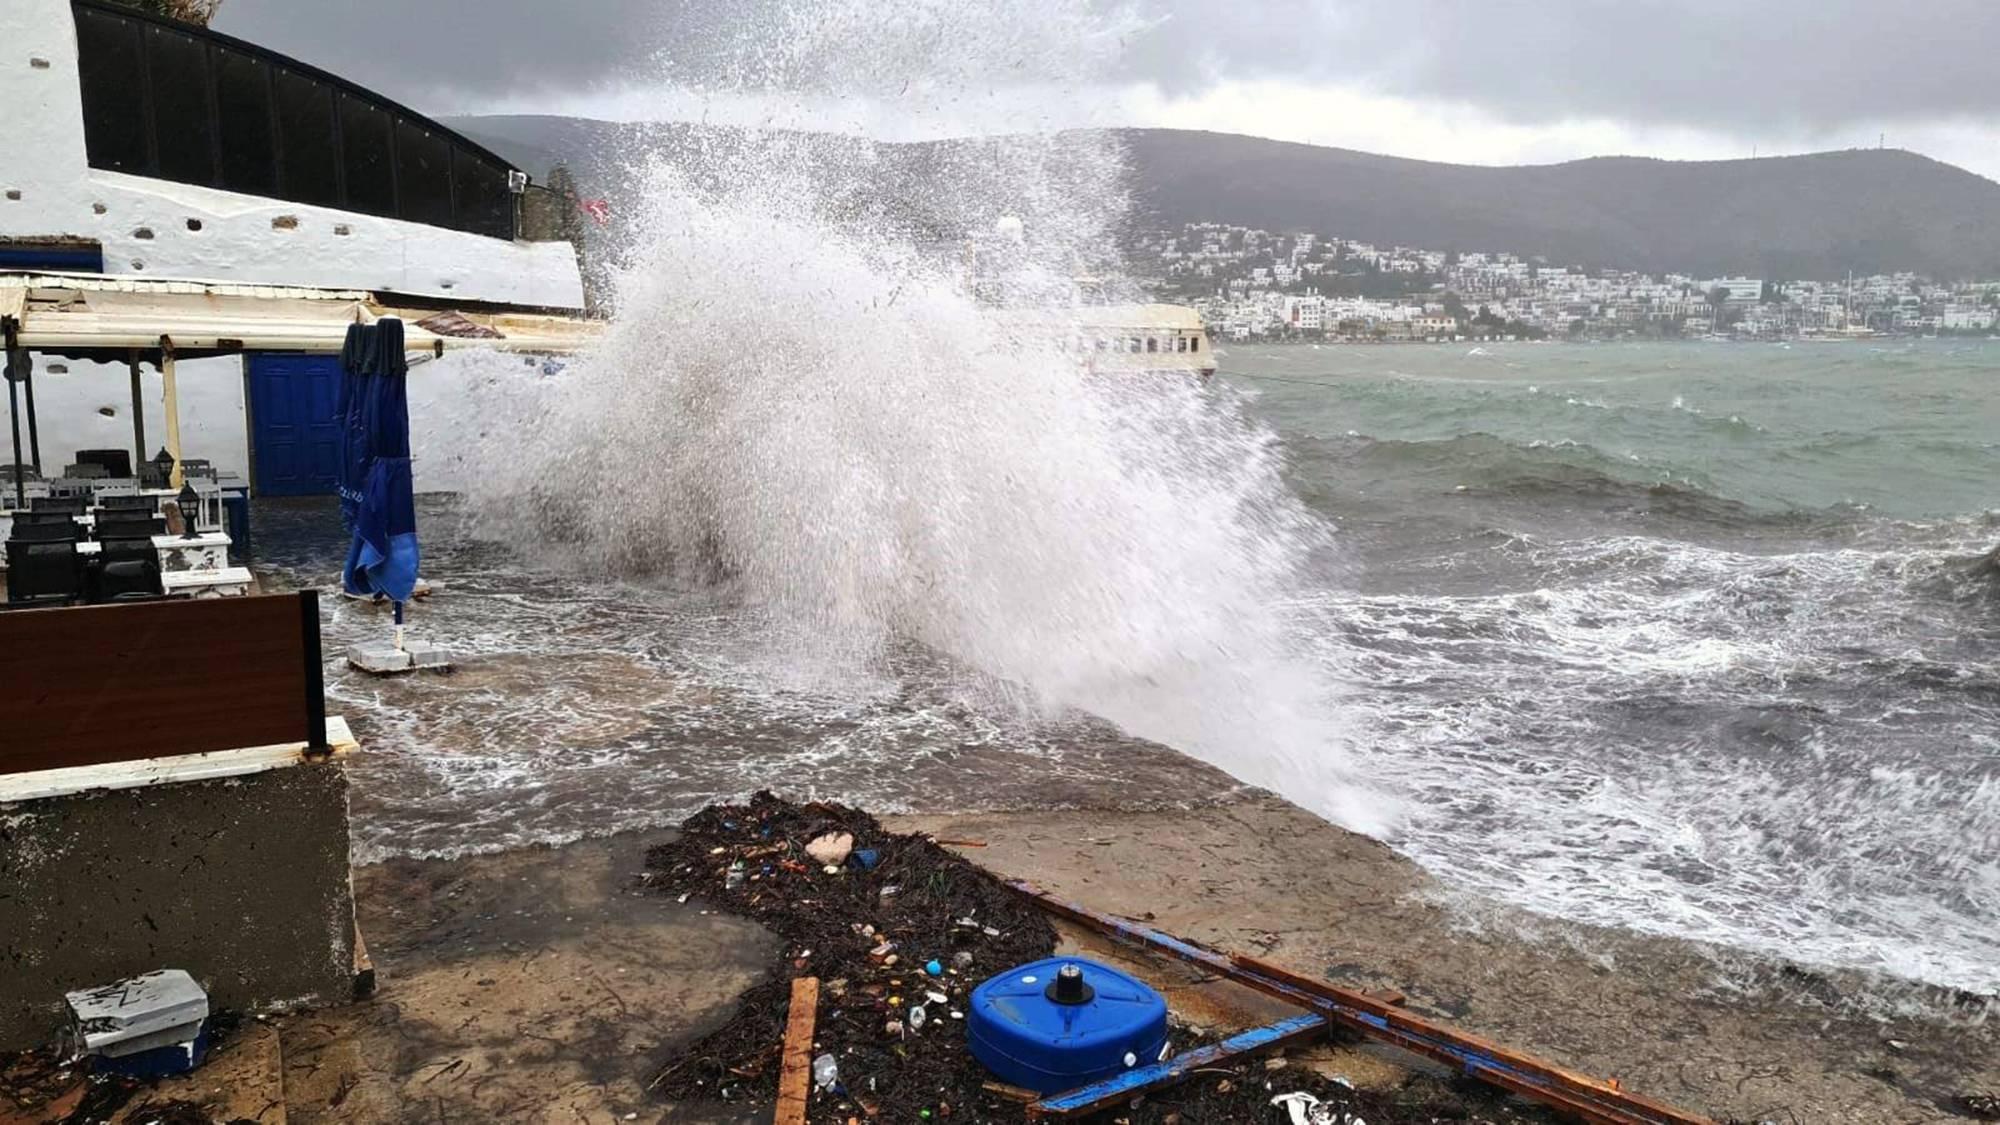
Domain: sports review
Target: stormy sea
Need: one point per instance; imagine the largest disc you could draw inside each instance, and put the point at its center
(1696, 639)
(1700, 640)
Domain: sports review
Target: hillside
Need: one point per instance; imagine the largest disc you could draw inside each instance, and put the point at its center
(1792, 216)
(1819, 215)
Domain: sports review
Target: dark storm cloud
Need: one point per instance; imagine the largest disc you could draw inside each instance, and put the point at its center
(457, 53)
(1810, 64)
(1789, 63)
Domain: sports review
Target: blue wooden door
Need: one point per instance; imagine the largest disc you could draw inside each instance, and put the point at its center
(295, 425)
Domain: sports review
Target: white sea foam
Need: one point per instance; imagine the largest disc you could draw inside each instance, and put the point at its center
(1839, 825)
(800, 403)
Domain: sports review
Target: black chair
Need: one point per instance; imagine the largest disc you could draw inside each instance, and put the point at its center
(130, 525)
(21, 518)
(71, 504)
(133, 503)
(65, 530)
(43, 573)
(127, 569)
(116, 462)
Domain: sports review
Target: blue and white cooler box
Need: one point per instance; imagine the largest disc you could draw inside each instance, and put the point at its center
(1065, 1022)
(147, 1027)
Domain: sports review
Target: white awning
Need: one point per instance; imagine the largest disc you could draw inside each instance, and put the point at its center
(78, 313)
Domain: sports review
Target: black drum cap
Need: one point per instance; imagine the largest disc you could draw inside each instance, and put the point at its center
(1069, 987)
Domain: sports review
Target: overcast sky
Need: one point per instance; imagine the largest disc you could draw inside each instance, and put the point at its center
(1492, 81)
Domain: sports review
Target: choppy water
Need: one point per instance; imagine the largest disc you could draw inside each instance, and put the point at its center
(1694, 639)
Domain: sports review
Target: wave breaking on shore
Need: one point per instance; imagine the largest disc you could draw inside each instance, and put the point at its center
(800, 403)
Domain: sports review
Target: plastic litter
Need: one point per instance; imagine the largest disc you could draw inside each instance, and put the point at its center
(826, 1072)
(933, 968)
(1305, 1109)
(148, 1026)
(917, 1018)
(832, 848)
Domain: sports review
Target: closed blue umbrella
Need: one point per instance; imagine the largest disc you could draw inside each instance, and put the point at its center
(357, 360)
(383, 559)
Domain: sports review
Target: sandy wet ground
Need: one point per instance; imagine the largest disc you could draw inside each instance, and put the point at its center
(1675, 1020)
(544, 985)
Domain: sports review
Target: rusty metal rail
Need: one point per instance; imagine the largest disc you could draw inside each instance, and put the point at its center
(1596, 1101)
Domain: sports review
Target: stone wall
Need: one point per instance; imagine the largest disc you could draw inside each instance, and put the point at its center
(242, 882)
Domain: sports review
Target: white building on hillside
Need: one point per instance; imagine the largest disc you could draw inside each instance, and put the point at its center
(1740, 290)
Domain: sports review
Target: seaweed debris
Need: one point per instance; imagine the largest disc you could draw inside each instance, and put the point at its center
(899, 930)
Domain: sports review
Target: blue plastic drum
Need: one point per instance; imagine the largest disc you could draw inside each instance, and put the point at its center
(1063, 1023)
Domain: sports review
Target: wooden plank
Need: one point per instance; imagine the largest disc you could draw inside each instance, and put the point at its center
(795, 1077)
(116, 683)
(1601, 1103)
(1120, 1088)
(140, 773)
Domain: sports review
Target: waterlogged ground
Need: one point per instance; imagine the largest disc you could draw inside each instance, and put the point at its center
(583, 707)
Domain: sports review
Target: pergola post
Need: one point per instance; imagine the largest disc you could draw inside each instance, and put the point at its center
(14, 417)
(138, 412)
(174, 480)
(9, 357)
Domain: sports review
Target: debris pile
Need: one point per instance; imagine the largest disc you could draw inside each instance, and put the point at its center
(51, 1088)
(898, 931)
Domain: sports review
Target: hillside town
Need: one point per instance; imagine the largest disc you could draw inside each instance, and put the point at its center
(1252, 284)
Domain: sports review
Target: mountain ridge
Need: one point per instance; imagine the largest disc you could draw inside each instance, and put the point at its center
(1812, 215)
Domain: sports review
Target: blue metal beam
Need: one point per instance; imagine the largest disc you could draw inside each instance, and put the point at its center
(1103, 1094)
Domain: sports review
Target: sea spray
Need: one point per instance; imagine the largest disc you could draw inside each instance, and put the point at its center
(799, 402)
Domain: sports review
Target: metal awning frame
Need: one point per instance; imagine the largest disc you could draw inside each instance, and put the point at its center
(123, 319)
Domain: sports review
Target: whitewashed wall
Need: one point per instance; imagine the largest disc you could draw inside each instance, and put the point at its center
(452, 402)
(43, 161)
(71, 406)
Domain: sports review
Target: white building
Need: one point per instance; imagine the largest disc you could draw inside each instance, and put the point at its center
(1740, 290)
(139, 146)
(1963, 318)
